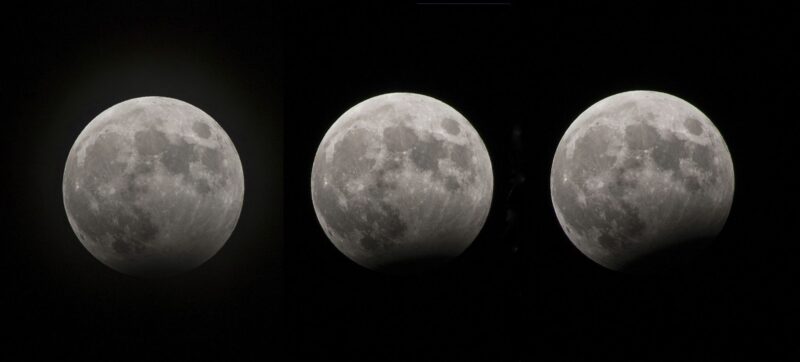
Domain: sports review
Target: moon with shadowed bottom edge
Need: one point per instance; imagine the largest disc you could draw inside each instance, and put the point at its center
(642, 181)
(401, 183)
(153, 187)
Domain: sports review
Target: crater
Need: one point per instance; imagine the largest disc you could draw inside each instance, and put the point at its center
(451, 126)
(201, 129)
(693, 126)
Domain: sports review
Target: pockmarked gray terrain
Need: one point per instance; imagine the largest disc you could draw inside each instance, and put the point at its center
(401, 183)
(153, 186)
(641, 181)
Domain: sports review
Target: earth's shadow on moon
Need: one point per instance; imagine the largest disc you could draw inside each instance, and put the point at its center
(415, 266)
(667, 259)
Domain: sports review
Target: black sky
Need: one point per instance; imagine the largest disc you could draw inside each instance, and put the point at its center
(277, 76)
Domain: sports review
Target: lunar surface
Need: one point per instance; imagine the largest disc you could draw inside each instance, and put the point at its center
(153, 187)
(641, 181)
(401, 183)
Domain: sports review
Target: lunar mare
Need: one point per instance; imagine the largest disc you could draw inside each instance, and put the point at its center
(641, 180)
(401, 182)
(153, 186)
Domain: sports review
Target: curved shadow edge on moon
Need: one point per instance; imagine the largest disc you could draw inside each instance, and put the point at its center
(642, 181)
(401, 183)
(153, 187)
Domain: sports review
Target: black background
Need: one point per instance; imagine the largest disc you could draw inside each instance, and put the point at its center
(276, 77)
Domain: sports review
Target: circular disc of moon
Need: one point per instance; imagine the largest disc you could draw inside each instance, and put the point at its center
(401, 182)
(153, 187)
(641, 180)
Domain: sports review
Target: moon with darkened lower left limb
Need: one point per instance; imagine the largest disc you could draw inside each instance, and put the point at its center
(153, 186)
(401, 183)
(641, 181)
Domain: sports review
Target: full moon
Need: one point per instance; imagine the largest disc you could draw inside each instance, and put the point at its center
(401, 183)
(641, 181)
(153, 187)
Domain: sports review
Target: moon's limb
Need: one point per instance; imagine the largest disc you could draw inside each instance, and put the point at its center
(640, 176)
(401, 179)
(153, 186)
